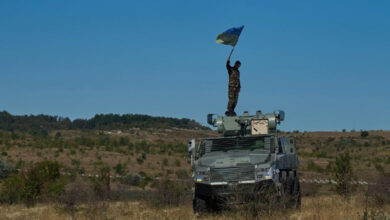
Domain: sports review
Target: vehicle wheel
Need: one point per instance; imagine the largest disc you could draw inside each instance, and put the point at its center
(297, 193)
(199, 205)
(290, 194)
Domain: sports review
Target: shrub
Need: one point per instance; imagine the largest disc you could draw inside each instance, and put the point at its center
(43, 180)
(102, 184)
(364, 134)
(76, 192)
(120, 169)
(177, 163)
(165, 162)
(145, 179)
(379, 168)
(140, 160)
(39, 179)
(5, 169)
(131, 179)
(12, 189)
(341, 171)
(56, 189)
(76, 162)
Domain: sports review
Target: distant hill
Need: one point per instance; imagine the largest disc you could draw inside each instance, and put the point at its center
(36, 124)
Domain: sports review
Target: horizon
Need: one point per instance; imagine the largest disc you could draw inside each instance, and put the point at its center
(206, 125)
(324, 63)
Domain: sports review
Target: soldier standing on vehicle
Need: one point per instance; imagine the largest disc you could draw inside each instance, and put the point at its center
(234, 86)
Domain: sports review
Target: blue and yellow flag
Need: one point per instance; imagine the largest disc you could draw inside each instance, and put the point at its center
(230, 37)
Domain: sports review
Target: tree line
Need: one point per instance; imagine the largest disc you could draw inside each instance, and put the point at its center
(36, 124)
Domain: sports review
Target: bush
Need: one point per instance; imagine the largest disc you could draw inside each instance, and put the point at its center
(364, 134)
(102, 184)
(12, 189)
(39, 180)
(140, 160)
(43, 180)
(341, 171)
(5, 169)
(76, 193)
(165, 162)
(131, 179)
(177, 163)
(379, 168)
(120, 169)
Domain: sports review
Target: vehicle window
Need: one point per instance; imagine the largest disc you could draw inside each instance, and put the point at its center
(238, 143)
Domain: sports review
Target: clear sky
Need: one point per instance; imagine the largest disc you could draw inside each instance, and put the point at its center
(326, 63)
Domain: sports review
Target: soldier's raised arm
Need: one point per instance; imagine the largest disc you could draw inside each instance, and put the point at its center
(228, 67)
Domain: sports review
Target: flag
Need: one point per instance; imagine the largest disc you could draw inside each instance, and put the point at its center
(230, 37)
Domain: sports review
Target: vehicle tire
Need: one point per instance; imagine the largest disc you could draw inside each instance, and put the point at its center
(200, 205)
(285, 198)
(297, 193)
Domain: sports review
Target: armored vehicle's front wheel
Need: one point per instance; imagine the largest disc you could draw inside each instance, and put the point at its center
(291, 192)
(199, 205)
(296, 193)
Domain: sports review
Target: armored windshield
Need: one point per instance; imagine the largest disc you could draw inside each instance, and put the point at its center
(238, 143)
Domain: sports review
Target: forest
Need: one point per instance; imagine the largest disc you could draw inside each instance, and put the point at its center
(41, 124)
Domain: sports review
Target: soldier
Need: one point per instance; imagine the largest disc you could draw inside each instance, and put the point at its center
(234, 86)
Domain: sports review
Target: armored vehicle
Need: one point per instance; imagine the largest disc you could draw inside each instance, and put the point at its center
(249, 159)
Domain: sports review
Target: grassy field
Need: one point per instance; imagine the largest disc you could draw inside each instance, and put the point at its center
(162, 153)
(320, 207)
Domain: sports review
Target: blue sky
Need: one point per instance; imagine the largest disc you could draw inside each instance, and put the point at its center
(326, 63)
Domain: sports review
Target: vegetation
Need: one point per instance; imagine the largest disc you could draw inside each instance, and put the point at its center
(135, 173)
(43, 180)
(364, 133)
(341, 171)
(40, 125)
(5, 169)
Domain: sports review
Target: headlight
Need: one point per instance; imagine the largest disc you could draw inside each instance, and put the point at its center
(202, 175)
(269, 174)
(263, 172)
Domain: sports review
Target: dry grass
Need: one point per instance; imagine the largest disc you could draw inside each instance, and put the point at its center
(88, 158)
(323, 207)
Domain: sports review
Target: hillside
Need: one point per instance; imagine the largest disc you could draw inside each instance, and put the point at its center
(164, 151)
(137, 158)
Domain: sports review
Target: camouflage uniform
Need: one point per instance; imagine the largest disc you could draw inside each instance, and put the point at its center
(234, 87)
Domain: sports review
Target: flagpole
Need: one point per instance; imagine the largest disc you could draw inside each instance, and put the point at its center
(231, 52)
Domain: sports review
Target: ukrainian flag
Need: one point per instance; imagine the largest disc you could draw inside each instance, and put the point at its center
(230, 37)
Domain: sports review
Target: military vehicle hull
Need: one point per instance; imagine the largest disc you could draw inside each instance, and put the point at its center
(248, 164)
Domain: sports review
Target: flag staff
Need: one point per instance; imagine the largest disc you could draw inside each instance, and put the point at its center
(231, 52)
